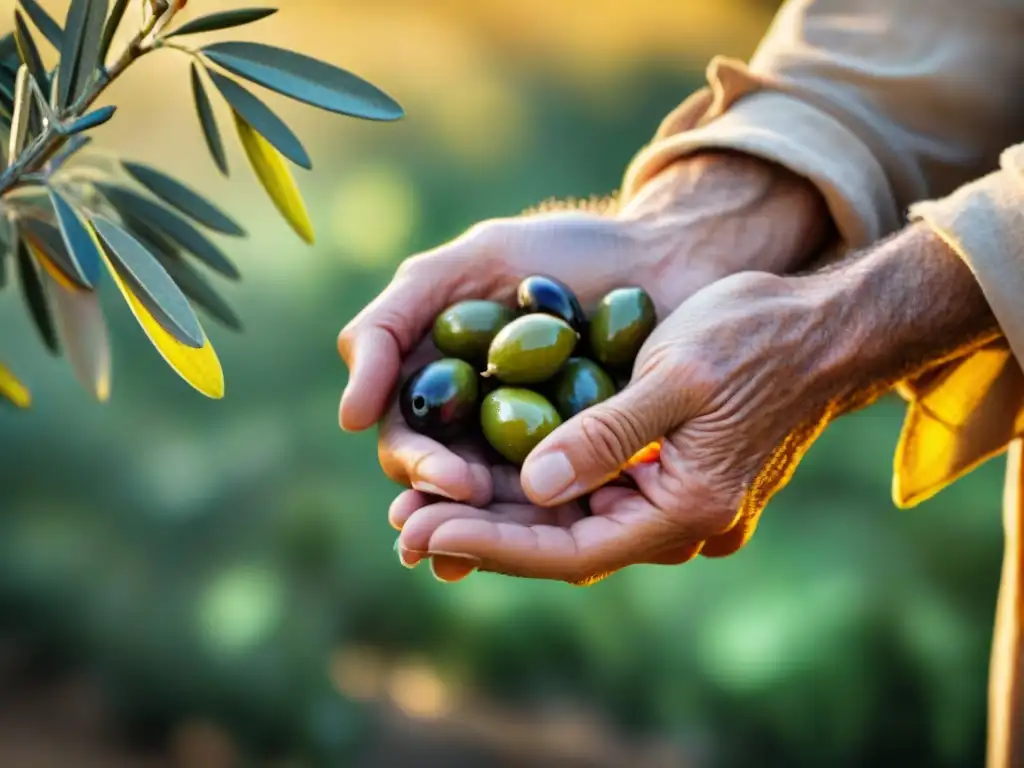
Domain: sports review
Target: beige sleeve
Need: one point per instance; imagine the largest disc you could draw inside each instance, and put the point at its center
(895, 107)
(881, 103)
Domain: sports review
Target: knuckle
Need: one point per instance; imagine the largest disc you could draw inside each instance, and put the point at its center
(611, 434)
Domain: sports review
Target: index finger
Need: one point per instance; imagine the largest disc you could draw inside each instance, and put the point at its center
(375, 342)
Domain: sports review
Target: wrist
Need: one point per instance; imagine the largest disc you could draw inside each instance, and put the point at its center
(723, 212)
(907, 305)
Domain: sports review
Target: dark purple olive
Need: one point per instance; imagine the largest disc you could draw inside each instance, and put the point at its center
(546, 295)
(440, 400)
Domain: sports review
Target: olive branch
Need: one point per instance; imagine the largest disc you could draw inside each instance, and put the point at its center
(68, 226)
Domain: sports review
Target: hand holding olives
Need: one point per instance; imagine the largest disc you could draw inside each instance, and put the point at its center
(515, 375)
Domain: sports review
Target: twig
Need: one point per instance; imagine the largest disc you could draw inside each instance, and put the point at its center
(50, 141)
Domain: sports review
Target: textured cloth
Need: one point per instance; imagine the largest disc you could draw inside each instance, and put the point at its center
(897, 110)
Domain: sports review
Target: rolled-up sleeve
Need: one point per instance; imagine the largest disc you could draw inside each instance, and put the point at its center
(895, 108)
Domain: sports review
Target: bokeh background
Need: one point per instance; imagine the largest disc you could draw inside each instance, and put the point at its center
(211, 584)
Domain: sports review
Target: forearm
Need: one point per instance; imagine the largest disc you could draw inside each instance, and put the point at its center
(905, 306)
(727, 212)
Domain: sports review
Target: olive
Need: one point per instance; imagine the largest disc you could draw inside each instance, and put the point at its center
(515, 420)
(466, 330)
(440, 399)
(581, 384)
(530, 349)
(620, 325)
(546, 295)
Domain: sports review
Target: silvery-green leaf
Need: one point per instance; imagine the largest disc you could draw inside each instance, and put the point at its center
(20, 116)
(87, 122)
(208, 122)
(48, 240)
(33, 292)
(8, 50)
(262, 119)
(223, 20)
(305, 79)
(29, 52)
(176, 228)
(151, 283)
(179, 196)
(78, 239)
(44, 23)
(116, 15)
(82, 331)
(80, 52)
(199, 291)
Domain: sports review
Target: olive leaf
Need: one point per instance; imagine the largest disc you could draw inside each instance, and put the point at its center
(195, 287)
(262, 119)
(116, 15)
(276, 178)
(79, 241)
(187, 201)
(150, 282)
(223, 20)
(305, 79)
(82, 330)
(48, 243)
(29, 53)
(12, 390)
(208, 122)
(199, 367)
(178, 229)
(19, 118)
(92, 120)
(80, 52)
(44, 23)
(34, 294)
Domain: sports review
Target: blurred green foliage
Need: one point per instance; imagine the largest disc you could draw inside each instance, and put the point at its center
(207, 559)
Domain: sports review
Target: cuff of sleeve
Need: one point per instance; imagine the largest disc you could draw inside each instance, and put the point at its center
(972, 408)
(984, 223)
(743, 116)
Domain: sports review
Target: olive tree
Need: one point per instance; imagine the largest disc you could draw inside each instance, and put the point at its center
(66, 226)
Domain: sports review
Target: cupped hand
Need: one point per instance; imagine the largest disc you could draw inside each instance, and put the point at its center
(724, 380)
(697, 221)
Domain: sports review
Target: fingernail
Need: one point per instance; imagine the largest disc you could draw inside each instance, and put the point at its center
(476, 562)
(424, 487)
(548, 476)
(448, 568)
(410, 558)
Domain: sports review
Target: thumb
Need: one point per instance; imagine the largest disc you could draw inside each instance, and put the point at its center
(593, 446)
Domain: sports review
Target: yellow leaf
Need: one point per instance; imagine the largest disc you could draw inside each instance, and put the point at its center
(49, 267)
(276, 178)
(12, 389)
(199, 367)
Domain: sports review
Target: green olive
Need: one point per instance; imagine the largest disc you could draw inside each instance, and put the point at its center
(440, 399)
(530, 349)
(515, 420)
(466, 330)
(581, 384)
(620, 325)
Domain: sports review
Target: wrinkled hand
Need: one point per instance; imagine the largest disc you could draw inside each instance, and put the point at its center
(701, 219)
(723, 380)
